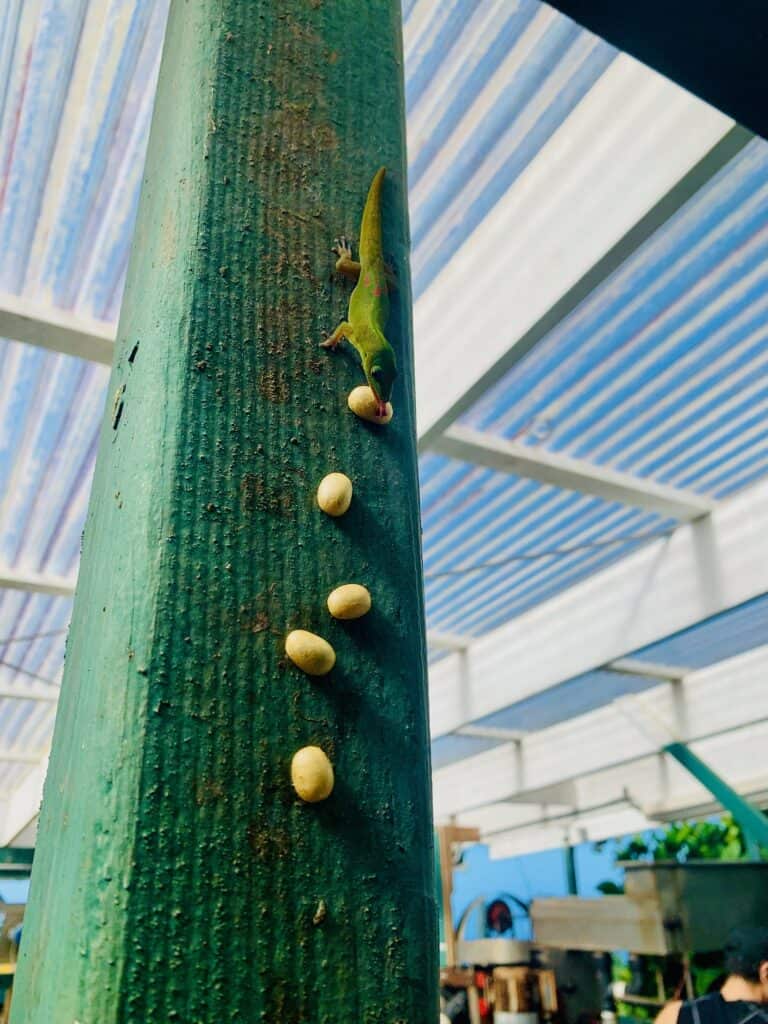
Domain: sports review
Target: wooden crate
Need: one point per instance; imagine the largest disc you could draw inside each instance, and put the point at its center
(524, 990)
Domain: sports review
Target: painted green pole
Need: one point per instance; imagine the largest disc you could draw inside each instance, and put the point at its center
(753, 822)
(178, 877)
(571, 879)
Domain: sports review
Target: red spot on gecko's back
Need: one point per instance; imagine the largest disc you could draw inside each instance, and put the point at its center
(378, 291)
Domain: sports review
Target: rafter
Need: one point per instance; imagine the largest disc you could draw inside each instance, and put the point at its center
(441, 641)
(23, 804)
(648, 669)
(35, 693)
(21, 757)
(36, 583)
(558, 470)
(56, 330)
(489, 732)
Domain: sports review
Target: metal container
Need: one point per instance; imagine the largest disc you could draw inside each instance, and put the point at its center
(667, 908)
(492, 952)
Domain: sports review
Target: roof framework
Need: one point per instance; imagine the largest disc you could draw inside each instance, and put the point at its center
(590, 263)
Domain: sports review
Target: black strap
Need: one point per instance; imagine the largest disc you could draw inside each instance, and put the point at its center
(713, 1009)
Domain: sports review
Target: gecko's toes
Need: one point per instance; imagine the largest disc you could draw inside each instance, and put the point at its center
(341, 247)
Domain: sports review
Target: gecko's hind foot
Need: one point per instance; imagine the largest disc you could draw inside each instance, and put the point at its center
(342, 248)
(329, 341)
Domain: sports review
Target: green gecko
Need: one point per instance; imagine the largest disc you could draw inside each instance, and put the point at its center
(369, 302)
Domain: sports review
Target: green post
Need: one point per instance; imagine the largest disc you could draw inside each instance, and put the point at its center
(571, 879)
(753, 822)
(178, 877)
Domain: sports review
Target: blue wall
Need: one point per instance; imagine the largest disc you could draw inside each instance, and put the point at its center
(529, 876)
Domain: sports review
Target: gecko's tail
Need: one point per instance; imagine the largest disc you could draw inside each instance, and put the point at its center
(370, 227)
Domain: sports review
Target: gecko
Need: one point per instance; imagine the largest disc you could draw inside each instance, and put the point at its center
(369, 301)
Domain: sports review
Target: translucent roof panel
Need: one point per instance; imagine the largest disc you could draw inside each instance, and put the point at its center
(51, 408)
(609, 761)
(661, 372)
(717, 638)
(487, 86)
(568, 700)
(495, 544)
(77, 83)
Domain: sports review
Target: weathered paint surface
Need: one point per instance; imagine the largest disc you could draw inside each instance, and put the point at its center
(178, 876)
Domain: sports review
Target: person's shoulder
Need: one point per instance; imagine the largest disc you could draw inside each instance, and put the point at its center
(669, 1013)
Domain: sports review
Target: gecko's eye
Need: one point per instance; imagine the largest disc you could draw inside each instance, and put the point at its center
(376, 373)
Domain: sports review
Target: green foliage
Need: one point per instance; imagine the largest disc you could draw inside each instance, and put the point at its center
(683, 841)
(610, 889)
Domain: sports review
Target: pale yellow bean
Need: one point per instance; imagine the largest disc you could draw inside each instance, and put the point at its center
(312, 774)
(334, 494)
(350, 601)
(362, 402)
(310, 652)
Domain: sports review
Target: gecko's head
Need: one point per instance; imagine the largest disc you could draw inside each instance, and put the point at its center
(380, 372)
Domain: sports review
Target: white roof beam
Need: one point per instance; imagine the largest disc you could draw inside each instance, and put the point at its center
(20, 757)
(441, 641)
(36, 693)
(489, 732)
(507, 306)
(36, 583)
(546, 817)
(702, 569)
(612, 740)
(56, 330)
(503, 456)
(648, 669)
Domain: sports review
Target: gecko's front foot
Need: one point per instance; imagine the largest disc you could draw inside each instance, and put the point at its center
(342, 249)
(334, 340)
(344, 263)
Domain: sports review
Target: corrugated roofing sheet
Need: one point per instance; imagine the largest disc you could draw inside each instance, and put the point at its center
(77, 80)
(494, 544)
(723, 636)
(487, 85)
(660, 372)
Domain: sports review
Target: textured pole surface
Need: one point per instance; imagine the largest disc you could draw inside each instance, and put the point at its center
(178, 877)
